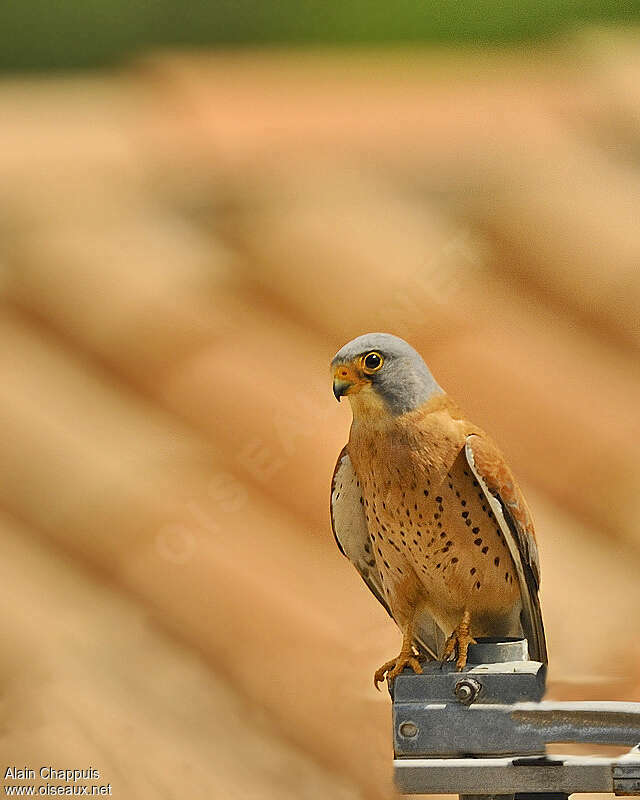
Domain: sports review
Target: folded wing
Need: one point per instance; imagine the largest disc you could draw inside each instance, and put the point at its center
(513, 516)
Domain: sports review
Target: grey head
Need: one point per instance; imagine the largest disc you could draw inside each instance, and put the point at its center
(387, 366)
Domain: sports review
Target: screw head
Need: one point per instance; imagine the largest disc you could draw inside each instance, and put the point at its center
(467, 690)
(408, 729)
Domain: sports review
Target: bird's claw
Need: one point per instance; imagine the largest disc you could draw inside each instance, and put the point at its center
(393, 668)
(459, 641)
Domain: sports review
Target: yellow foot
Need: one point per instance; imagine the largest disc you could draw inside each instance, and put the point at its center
(393, 668)
(459, 640)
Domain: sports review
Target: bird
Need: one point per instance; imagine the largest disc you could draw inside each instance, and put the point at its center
(426, 508)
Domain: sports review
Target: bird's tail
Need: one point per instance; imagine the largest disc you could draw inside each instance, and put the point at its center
(531, 620)
(429, 636)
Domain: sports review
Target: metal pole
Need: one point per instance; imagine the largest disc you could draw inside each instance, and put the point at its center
(490, 652)
(488, 796)
(495, 652)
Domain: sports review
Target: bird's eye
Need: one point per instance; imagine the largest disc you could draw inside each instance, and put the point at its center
(372, 362)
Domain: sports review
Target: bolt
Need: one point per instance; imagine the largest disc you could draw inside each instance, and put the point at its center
(467, 690)
(408, 729)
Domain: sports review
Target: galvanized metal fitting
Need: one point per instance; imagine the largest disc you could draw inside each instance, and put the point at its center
(626, 777)
(408, 729)
(467, 690)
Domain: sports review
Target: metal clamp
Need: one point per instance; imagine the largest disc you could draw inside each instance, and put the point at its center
(484, 731)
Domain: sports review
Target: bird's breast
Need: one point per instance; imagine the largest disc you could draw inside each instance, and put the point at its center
(427, 517)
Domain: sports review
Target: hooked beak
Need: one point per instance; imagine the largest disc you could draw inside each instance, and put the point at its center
(347, 380)
(340, 387)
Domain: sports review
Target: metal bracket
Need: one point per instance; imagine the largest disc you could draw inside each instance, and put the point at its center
(626, 773)
(508, 776)
(484, 731)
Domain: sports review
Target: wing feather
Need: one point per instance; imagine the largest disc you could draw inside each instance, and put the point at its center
(350, 526)
(510, 509)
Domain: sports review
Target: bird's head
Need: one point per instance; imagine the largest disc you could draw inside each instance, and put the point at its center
(381, 373)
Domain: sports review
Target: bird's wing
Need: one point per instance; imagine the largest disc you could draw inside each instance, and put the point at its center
(350, 527)
(352, 537)
(513, 516)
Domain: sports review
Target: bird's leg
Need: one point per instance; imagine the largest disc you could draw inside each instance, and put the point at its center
(460, 639)
(405, 658)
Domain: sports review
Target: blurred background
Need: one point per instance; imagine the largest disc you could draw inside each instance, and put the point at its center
(198, 207)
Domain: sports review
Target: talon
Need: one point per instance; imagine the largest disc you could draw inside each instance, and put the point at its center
(463, 646)
(391, 669)
(459, 640)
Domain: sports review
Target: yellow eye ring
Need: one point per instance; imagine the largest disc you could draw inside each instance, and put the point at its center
(372, 362)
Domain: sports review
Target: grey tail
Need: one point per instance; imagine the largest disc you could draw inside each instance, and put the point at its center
(531, 619)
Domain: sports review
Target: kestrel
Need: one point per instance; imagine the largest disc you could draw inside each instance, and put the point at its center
(426, 508)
